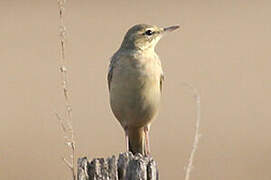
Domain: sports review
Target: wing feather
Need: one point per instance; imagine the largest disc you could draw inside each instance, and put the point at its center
(110, 70)
(162, 78)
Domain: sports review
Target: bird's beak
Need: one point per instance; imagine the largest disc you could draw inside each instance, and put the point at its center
(171, 28)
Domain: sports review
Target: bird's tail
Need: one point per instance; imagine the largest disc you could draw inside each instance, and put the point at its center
(136, 141)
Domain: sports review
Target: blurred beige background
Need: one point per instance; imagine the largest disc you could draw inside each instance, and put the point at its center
(222, 49)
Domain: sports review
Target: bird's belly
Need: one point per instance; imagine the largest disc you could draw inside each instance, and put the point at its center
(135, 98)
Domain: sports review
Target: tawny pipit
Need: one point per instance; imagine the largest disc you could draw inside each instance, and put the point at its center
(135, 80)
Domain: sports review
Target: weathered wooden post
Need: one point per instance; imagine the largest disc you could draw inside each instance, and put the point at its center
(125, 166)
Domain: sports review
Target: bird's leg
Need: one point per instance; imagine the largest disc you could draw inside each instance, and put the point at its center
(126, 139)
(147, 142)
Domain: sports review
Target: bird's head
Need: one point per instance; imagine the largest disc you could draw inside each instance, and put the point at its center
(144, 37)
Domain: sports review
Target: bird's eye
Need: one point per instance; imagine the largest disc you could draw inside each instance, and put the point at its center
(149, 32)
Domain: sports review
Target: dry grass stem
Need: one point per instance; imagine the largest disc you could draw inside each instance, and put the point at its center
(66, 122)
(197, 136)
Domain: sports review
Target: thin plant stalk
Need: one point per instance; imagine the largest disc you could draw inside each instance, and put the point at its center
(66, 122)
(197, 135)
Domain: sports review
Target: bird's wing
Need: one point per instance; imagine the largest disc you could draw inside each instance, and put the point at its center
(162, 78)
(110, 71)
(109, 75)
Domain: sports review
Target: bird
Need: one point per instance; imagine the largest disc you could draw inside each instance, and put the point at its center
(135, 78)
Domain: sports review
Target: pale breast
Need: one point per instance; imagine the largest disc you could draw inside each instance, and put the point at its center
(135, 90)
